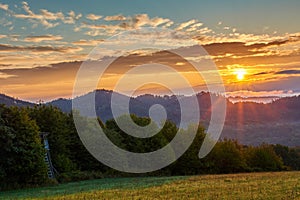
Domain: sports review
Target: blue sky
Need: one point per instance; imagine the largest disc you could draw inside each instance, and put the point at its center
(247, 16)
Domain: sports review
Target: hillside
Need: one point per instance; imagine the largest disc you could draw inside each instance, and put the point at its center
(10, 101)
(248, 122)
(284, 109)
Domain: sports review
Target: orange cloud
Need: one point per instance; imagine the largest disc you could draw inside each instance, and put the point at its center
(4, 6)
(186, 24)
(93, 17)
(41, 38)
(46, 18)
(115, 18)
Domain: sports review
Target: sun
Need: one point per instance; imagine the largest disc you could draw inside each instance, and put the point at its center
(240, 74)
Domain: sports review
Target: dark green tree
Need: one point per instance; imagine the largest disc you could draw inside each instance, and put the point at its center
(263, 158)
(55, 122)
(134, 144)
(22, 154)
(78, 153)
(189, 163)
(290, 156)
(227, 157)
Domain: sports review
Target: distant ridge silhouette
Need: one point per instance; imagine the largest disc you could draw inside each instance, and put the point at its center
(249, 122)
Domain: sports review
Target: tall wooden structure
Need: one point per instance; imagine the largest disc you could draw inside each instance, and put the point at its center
(50, 169)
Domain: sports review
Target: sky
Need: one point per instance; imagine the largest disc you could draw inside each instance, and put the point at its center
(255, 45)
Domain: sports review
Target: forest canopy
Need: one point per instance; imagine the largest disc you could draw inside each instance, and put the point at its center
(22, 151)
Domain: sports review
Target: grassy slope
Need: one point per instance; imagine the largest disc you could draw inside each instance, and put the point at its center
(86, 186)
(279, 185)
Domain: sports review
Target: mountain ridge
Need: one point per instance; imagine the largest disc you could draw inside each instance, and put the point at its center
(249, 122)
(11, 101)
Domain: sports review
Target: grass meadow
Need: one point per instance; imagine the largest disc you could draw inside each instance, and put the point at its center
(267, 185)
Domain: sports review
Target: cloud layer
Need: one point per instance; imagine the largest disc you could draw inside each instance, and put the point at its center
(41, 44)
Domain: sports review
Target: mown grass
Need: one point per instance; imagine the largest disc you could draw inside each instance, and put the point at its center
(86, 186)
(277, 185)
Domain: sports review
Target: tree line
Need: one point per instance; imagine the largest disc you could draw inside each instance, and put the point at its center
(22, 152)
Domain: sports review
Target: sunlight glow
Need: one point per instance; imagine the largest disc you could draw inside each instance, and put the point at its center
(240, 74)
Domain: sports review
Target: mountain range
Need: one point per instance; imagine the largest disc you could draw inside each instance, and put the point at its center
(10, 101)
(251, 123)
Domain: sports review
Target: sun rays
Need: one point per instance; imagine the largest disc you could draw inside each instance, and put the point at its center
(240, 74)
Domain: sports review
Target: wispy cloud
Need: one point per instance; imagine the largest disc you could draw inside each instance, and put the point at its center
(186, 24)
(59, 80)
(13, 59)
(61, 49)
(41, 18)
(87, 42)
(143, 20)
(249, 93)
(93, 17)
(4, 6)
(194, 27)
(262, 73)
(46, 18)
(41, 38)
(290, 72)
(5, 76)
(72, 17)
(266, 56)
(3, 36)
(129, 23)
(115, 18)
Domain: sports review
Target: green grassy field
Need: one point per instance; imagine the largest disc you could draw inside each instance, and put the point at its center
(278, 185)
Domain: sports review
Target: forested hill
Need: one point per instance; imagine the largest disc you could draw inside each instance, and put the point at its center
(284, 109)
(10, 101)
(249, 122)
